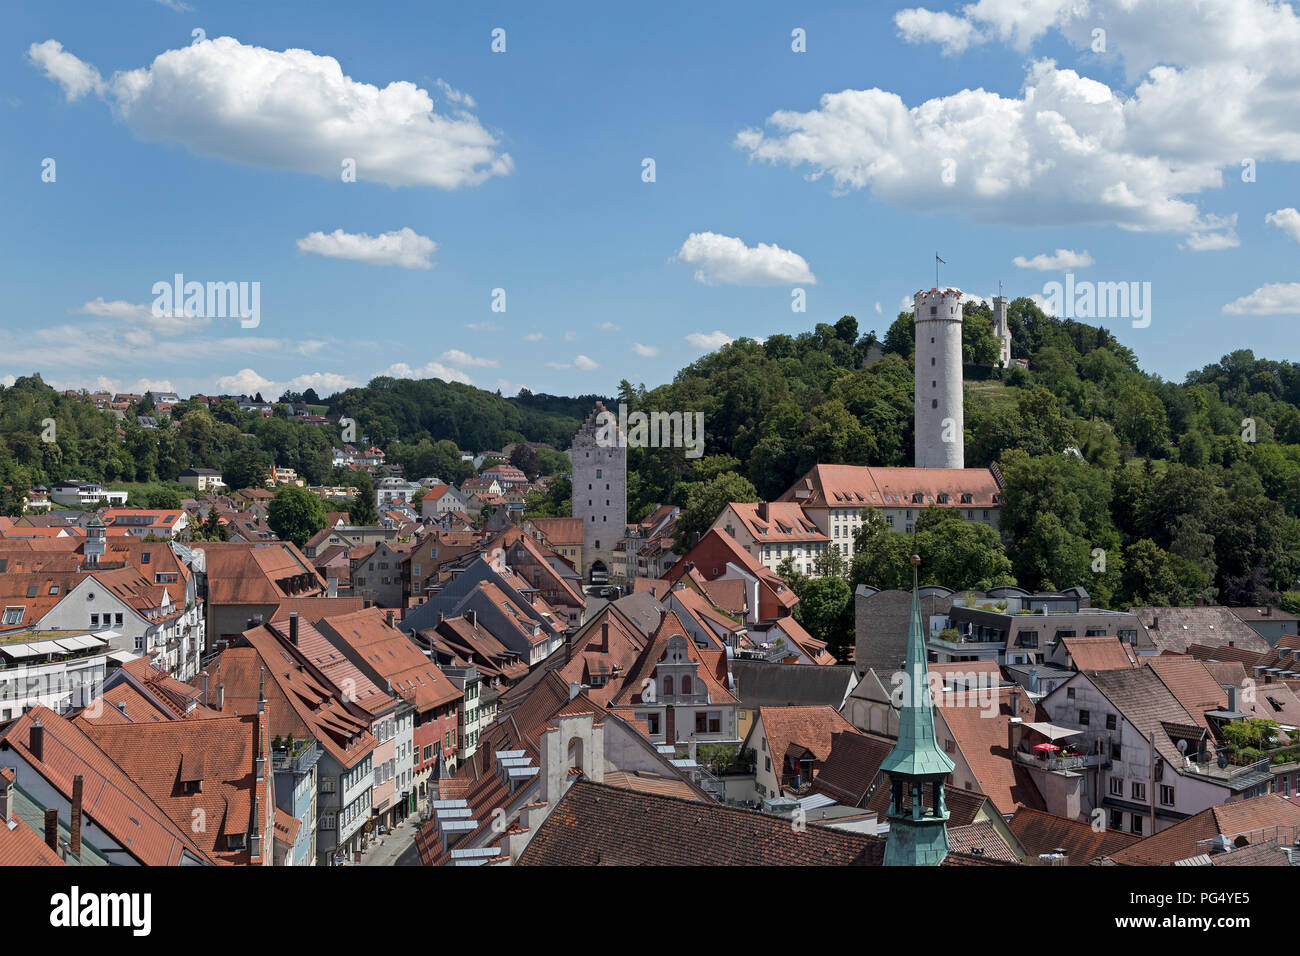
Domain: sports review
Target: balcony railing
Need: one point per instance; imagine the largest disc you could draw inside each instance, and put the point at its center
(702, 698)
(299, 760)
(1211, 768)
(1062, 762)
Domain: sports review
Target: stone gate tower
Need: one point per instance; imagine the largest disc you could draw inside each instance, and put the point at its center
(599, 455)
(940, 441)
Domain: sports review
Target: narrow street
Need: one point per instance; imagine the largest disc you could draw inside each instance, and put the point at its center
(396, 848)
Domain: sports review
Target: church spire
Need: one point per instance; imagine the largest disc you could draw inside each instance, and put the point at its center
(918, 834)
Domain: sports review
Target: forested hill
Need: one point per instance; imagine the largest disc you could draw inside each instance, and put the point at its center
(1185, 490)
(422, 425)
(1166, 494)
(390, 409)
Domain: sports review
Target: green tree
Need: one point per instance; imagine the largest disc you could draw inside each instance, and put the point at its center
(704, 501)
(826, 611)
(361, 511)
(295, 514)
(161, 498)
(525, 459)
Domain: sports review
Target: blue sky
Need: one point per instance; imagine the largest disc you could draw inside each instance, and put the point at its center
(526, 172)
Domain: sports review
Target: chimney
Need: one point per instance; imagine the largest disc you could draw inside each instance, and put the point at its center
(52, 829)
(472, 616)
(574, 689)
(293, 628)
(762, 510)
(6, 801)
(221, 696)
(604, 635)
(388, 617)
(36, 742)
(1015, 730)
(75, 840)
(203, 684)
(1155, 622)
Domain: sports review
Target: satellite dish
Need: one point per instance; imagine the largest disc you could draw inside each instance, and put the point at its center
(1182, 746)
(1222, 761)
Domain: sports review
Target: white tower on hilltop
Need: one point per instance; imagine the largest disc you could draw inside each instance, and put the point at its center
(940, 441)
(1002, 330)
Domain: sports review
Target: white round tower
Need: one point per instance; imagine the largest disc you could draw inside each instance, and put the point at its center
(939, 421)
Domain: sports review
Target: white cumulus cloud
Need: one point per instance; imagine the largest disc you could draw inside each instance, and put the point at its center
(290, 109)
(1276, 298)
(1061, 259)
(76, 78)
(726, 259)
(645, 351)
(1288, 220)
(1206, 83)
(708, 341)
(404, 247)
(431, 370)
(457, 357)
(917, 25)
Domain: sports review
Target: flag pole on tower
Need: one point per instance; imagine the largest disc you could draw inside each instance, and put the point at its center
(937, 260)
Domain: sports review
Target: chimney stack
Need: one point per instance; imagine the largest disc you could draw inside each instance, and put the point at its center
(472, 616)
(203, 685)
(604, 635)
(293, 628)
(762, 510)
(36, 741)
(388, 616)
(75, 840)
(52, 829)
(6, 798)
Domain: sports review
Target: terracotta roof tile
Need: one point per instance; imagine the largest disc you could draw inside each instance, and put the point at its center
(1041, 832)
(1258, 819)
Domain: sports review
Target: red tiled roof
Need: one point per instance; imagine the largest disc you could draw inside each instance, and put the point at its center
(596, 824)
(1098, 653)
(983, 742)
(808, 728)
(110, 796)
(1255, 820)
(23, 846)
(858, 486)
(1041, 832)
(216, 756)
(392, 656)
(780, 522)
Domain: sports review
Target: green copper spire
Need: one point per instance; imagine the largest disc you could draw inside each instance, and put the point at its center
(918, 835)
